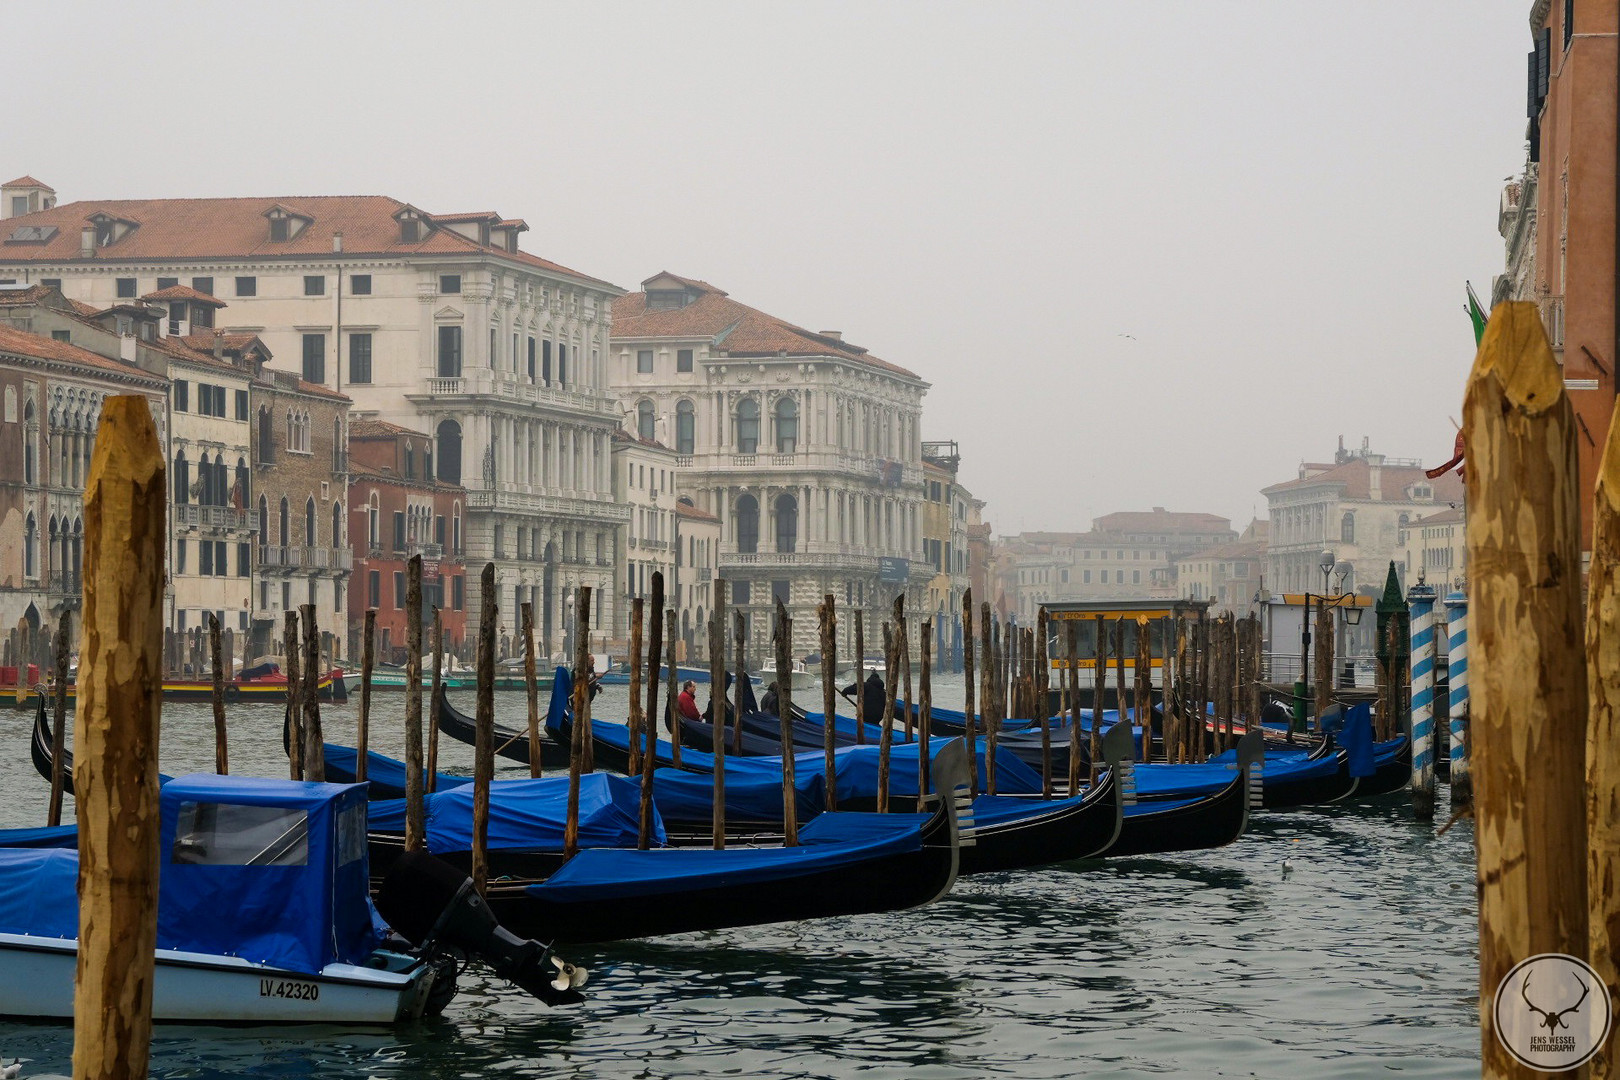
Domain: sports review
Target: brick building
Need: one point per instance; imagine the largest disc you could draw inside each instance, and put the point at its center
(398, 508)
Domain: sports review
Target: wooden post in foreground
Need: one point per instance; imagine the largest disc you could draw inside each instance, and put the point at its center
(59, 727)
(1603, 728)
(1099, 687)
(314, 745)
(784, 712)
(531, 689)
(581, 709)
(987, 694)
(433, 701)
(967, 693)
(741, 630)
(891, 661)
(368, 660)
(216, 650)
(295, 711)
(415, 787)
(635, 719)
(649, 756)
(827, 612)
(115, 767)
(1072, 681)
(925, 707)
(484, 731)
(673, 692)
(860, 677)
(717, 707)
(1528, 663)
(903, 635)
(1043, 709)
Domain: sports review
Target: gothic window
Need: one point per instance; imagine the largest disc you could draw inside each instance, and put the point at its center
(1347, 527)
(747, 426)
(787, 523)
(685, 427)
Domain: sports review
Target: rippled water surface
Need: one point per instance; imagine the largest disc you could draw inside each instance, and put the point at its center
(1359, 962)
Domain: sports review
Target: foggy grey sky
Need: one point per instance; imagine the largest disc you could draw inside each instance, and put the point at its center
(1279, 201)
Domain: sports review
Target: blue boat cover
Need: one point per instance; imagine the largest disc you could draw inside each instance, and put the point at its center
(39, 892)
(828, 844)
(686, 796)
(386, 775)
(1357, 739)
(1172, 780)
(992, 810)
(530, 815)
(49, 836)
(273, 871)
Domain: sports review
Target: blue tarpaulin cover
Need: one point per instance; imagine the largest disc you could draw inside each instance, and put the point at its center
(685, 796)
(298, 917)
(39, 892)
(827, 843)
(386, 775)
(530, 815)
(1161, 779)
(1357, 740)
(48, 836)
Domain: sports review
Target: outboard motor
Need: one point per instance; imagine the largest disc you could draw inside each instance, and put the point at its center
(431, 903)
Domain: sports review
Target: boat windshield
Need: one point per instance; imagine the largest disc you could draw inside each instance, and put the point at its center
(225, 834)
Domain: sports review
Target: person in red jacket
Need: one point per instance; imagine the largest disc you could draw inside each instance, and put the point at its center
(687, 703)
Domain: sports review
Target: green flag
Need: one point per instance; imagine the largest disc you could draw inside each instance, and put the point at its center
(1476, 314)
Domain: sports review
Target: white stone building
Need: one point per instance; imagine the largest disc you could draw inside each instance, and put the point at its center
(808, 449)
(643, 481)
(1436, 548)
(436, 321)
(1356, 508)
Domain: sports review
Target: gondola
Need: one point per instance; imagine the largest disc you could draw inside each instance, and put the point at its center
(845, 864)
(260, 689)
(510, 743)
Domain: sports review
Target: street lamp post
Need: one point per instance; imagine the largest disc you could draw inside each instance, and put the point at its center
(1325, 562)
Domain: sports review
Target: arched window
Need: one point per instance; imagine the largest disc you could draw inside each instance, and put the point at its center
(30, 542)
(76, 563)
(373, 523)
(286, 528)
(455, 526)
(787, 523)
(449, 437)
(747, 525)
(265, 452)
(30, 437)
(337, 524)
(747, 426)
(309, 522)
(644, 420)
(1347, 527)
(182, 478)
(787, 426)
(685, 427)
(240, 491)
(264, 521)
(56, 556)
(221, 494)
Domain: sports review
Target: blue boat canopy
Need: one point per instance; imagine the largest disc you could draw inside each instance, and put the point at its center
(273, 871)
(39, 892)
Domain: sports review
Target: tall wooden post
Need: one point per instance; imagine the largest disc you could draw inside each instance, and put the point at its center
(484, 730)
(925, 706)
(903, 635)
(415, 786)
(1072, 682)
(717, 704)
(531, 689)
(1603, 727)
(1036, 649)
(740, 627)
(860, 678)
(1529, 664)
(967, 693)
(783, 636)
(891, 662)
(295, 708)
(635, 719)
(368, 660)
(216, 657)
(1099, 695)
(649, 725)
(53, 816)
(115, 768)
(1144, 685)
(1324, 659)
(673, 695)
(827, 613)
(314, 744)
(433, 699)
(987, 687)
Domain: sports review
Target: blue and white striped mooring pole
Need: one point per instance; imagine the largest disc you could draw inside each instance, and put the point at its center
(1421, 599)
(1462, 786)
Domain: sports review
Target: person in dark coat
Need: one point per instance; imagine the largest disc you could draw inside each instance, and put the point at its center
(768, 703)
(875, 696)
(708, 711)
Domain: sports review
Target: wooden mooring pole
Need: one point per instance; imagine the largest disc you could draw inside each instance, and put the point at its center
(987, 693)
(59, 725)
(314, 744)
(717, 708)
(783, 636)
(115, 767)
(649, 726)
(860, 677)
(531, 690)
(433, 701)
(295, 711)
(740, 630)
(1528, 663)
(903, 636)
(1603, 729)
(891, 661)
(828, 617)
(415, 785)
(216, 656)
(484, 730)
(368, 660)
(967, 693)
(635, 719)
(925, 706)
(673, 694)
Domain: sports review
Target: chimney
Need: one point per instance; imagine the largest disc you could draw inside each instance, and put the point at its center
(87, 242)
(836, 335)
(219, 345)
(1375, 477)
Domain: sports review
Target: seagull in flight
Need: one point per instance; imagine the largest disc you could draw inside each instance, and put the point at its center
(1131, 336)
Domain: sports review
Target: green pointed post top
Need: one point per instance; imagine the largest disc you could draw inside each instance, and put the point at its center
(1391, 604)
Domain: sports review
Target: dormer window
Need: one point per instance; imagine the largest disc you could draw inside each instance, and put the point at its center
(410, 231)
(108, 229)
(285, 225)
(104, 232)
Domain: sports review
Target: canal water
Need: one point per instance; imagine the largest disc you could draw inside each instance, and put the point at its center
(1358, 962)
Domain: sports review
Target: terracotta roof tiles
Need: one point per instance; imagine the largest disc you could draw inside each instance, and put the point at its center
(28, 181)
(184, 292)
(169, 230)
(381, 429)
(23, 343)
(687, 510)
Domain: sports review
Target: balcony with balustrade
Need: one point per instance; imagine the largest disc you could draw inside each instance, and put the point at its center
(214, 518)
(884, 471)
(502, 385)
(290, 557)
